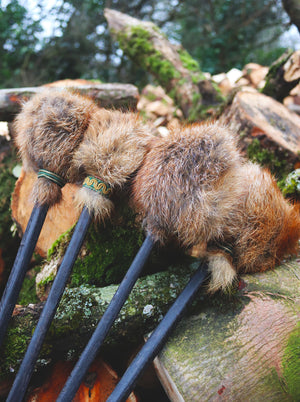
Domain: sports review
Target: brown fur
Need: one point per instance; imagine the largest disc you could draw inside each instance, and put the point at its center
(113, 148)
(197, 187)
(70, 136)
(49, 128)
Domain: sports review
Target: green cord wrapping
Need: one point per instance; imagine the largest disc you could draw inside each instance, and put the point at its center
(95, 184)
(55, 178)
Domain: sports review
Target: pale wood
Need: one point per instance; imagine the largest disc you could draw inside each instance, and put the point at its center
(232, 350)
(254, 115)
(114, 95)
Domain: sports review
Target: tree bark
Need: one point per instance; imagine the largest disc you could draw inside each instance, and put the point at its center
(292, 7)
(118, 96)
(283, 76)
(244, 349)
(171, 65)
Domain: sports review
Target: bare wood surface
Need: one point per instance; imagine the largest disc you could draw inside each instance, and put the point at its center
(119, 96)
(238, 351)
(254, 115)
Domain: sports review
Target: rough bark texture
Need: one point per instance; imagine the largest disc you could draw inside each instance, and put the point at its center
(57, 221)
(292, 7)
(242, 349)
(171, 65)
(119, 96)
(283, 76)
(255, 116)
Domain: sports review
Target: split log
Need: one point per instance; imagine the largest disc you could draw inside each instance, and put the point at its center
(118, 96)
(245, 334)
(283, 76)
(171, 65)
(258, 117)
(242, 349)
(98, 384)
(59, 219)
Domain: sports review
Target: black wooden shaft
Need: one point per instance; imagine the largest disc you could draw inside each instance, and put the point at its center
(158, 338)
(17, 275)
(20, 384)
(106, 322)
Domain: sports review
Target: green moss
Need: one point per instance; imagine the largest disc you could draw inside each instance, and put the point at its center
(291, 364)
(189, 63)
(28, 293)
(265, 157)
(109, 250)
(60, 244)
(291, 186)
(137, 46)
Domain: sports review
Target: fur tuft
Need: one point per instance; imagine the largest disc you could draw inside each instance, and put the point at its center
(113, 148)
(196, 186)
(96, 204)
(49, 129)
(46, 192)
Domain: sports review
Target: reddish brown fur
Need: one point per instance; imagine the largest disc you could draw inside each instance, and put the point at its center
(196, 186)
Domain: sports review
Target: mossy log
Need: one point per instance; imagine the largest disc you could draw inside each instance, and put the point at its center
(118, 96)
(171, 65)
(245, 333)
(269, 132)
(246, 348)
(283, 76)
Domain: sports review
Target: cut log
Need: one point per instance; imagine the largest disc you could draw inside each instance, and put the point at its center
(244, 349)
(171, 65)
(98, 384)
(256, 116)
(283, 76)
(118, 96)
(57, 221)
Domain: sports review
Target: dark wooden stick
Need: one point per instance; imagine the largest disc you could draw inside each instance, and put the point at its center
(106, 322)
(158, 338)
(20, 384)
(20, 266)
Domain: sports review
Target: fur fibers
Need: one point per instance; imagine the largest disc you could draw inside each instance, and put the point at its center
(113, 148)
(49, 128)
(196, 186)
(72, 137)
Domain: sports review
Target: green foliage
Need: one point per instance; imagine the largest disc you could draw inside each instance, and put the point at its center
(18, 42)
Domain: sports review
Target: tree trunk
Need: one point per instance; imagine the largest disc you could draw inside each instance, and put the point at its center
(292, 7)
(283, 76)
(118, 96)
(245, 348)
(171, 65)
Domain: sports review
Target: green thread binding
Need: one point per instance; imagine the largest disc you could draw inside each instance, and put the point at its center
(95, 184)
(55, 178)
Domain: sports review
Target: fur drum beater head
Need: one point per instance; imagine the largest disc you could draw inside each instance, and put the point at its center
(113, 148)
(66, 134)
(196, 186)
(49, 129)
